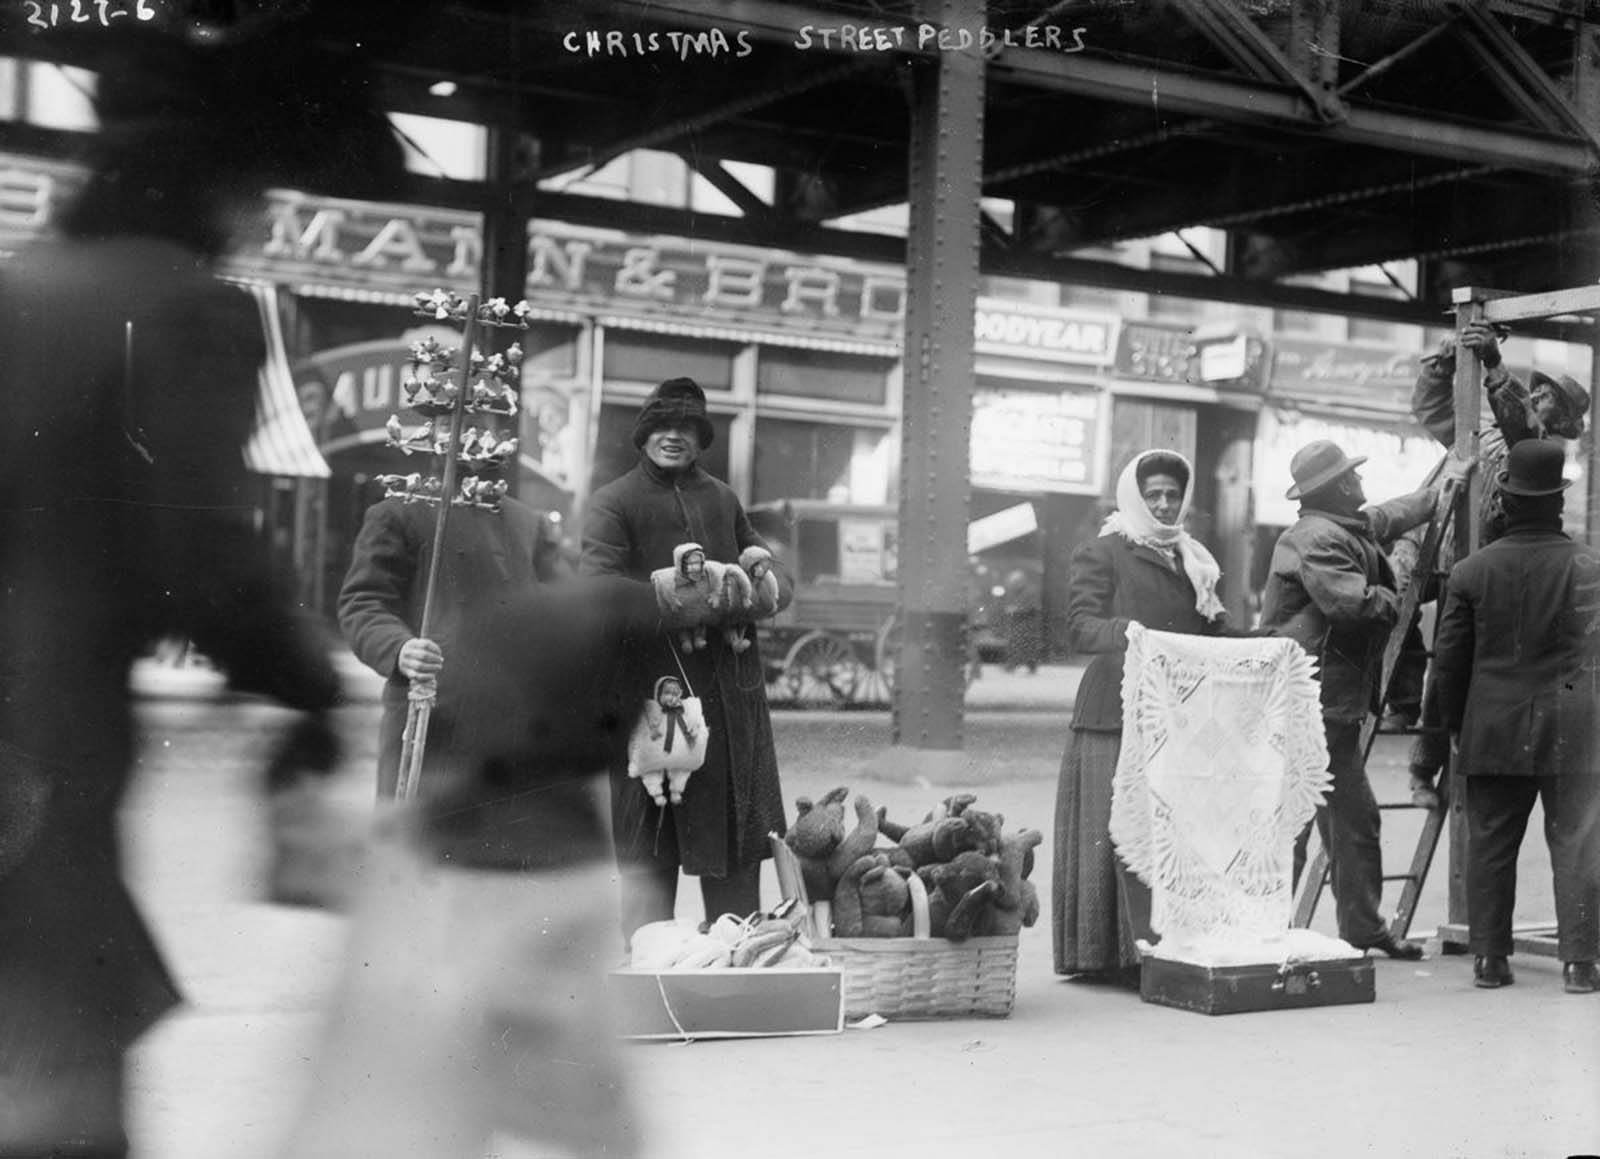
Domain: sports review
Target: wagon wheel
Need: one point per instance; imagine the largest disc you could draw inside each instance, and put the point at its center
(822, 670)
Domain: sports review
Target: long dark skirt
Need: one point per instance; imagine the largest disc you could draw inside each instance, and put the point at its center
(1097, 906)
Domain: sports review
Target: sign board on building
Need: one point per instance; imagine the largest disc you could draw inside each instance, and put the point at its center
(1019, 330)
(1155, 352)
(1343, 375)
(1027, 440)
(864, 557)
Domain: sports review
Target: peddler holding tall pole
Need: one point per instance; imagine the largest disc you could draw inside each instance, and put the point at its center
(436, 549)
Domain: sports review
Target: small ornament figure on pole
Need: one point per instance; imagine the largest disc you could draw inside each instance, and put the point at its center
(483, 386)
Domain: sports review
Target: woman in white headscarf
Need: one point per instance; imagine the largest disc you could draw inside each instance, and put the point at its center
(1142, 567)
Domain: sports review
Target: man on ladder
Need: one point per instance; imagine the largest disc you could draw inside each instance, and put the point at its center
(1330, 587)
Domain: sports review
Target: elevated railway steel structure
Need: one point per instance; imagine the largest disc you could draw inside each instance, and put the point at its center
(1320, 134)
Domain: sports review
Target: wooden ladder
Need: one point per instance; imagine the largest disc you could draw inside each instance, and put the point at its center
(1315, 875)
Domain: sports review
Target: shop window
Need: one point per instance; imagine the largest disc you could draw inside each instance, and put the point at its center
(822, 374)
(615, 454)
(638, 357)
(550, 351)
(801, 460)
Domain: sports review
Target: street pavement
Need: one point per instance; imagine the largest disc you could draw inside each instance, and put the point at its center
(1434, 1067)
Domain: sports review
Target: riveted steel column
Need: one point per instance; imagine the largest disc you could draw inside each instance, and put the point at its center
(942, 286)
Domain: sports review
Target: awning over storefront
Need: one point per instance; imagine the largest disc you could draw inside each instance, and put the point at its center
(281, 443)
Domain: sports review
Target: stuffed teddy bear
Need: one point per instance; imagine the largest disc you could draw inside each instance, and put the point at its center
(1016, 903)
(919, 840)
(821, 844)
(959, 891)
(970, 829)
(872, 900)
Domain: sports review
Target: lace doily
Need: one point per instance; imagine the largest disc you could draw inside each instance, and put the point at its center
(1223, 762)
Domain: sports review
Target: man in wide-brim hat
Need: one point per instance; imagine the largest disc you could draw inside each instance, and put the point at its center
(1515, 661)
(1331, 588)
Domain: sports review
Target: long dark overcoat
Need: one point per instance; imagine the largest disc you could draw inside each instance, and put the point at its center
(125, 518)
(489, 558)
(1115, 581)
(734, 799)
(1515, 656)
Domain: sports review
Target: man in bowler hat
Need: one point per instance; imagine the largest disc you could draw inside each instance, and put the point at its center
(1516, 659)
(1330, 587)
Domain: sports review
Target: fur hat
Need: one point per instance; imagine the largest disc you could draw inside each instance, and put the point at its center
(677, 401)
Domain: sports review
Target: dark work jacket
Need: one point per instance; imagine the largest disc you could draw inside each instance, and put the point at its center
(1516, 655)
(490, 556)
(734, 799)
(1114, 582)
(1331, 589)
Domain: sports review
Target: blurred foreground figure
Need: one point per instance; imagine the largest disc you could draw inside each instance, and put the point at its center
(125, 519)
(472, 1000)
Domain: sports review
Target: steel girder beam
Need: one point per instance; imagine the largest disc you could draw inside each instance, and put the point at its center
(729, 186)
(606, 213)
(1522, 78)
(1252, 49)
(1195, 95)
(1175, 91)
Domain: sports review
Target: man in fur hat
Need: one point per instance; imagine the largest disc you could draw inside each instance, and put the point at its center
(1330, 587)
(633, 526)
(1516, 657)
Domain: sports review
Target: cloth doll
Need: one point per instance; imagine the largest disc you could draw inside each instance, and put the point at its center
(670, 742)
(752, 592)
(688, 597)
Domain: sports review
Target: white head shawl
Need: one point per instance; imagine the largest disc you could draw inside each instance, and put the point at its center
(1134, 522)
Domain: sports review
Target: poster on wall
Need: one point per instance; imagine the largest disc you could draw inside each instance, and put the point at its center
(1399, 457)
(1037, 440)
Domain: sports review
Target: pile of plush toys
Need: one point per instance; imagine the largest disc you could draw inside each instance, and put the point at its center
(974, 873)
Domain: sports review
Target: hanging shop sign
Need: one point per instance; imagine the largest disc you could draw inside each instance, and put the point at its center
(1331, 374)
(1037, 440)
(1399, 456)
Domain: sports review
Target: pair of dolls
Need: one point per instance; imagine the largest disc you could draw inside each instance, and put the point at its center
(696, 593)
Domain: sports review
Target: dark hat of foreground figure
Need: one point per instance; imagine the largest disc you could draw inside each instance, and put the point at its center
(676, 402)
(1533, 467)
(1317, 464)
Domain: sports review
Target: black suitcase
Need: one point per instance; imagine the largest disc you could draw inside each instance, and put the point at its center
(1257, 986)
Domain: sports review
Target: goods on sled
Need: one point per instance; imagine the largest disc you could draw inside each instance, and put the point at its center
(697, 593)
(923, 918)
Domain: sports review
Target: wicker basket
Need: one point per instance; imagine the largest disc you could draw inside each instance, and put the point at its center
(917, 977)
(925, 977)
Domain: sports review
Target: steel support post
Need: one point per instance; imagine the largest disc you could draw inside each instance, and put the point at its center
(942, 245)
(504, 272)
